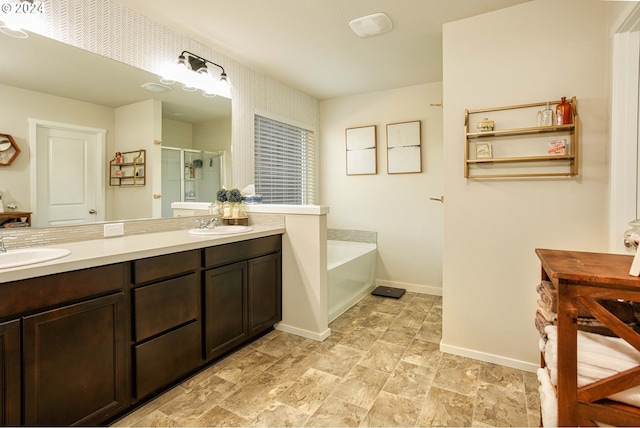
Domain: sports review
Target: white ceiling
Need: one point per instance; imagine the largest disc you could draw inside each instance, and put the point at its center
(45, 65)
(308, 44)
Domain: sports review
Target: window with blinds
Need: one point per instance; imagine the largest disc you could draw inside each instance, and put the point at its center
(285, 170)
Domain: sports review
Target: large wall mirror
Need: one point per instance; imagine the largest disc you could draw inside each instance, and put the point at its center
(56, 83)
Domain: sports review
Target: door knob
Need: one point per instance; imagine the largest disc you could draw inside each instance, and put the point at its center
(440, 199)
(92, 211)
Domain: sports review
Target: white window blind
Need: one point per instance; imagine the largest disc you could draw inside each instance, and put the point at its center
(284, 163)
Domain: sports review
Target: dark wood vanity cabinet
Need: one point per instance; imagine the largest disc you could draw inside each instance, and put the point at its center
(83, 347)
(10, 385)
(63, 348)
(242, 292)
(225, 303)
(167, 324)
(74, 363)
(265, 292)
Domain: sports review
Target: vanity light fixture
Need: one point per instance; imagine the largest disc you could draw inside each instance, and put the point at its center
(191, 70)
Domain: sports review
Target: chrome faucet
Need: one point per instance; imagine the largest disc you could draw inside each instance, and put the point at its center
(3, 240)
(207, 224)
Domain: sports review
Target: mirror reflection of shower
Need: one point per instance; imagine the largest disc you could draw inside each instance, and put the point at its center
(190, 176)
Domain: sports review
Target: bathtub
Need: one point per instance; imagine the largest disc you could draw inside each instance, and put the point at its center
(351, 274)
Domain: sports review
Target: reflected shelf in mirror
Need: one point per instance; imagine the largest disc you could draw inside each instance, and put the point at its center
(81, 76)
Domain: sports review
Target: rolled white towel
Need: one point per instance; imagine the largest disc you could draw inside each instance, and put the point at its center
(598, 351)
(598, 357)
(548, 400)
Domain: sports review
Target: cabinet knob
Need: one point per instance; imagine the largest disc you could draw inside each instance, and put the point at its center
(440, 199)
(92, 211)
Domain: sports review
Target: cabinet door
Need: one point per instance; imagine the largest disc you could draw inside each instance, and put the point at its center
(10, 373)
(265, 293)
(225, 303)
(74, 371)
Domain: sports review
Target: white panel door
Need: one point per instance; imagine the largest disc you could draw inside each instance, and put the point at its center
(66, 176)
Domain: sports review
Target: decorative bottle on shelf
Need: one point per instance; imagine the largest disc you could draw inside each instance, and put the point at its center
(539, 118)
(563, 112)
(547, 116)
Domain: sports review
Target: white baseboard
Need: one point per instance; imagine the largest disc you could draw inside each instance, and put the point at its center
(415, 288)
(489, 358)
(304, 333)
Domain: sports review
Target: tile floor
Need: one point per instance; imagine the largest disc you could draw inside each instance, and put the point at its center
(381, 366)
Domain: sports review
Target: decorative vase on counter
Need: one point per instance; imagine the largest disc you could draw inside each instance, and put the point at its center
(563, 112)
(226, 209)
(237, 210)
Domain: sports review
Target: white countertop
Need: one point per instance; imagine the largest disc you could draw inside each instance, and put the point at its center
(106, 251)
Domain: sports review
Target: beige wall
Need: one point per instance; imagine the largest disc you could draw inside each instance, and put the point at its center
(515, 56)
(177, 134)
(138, 126)
(18, 106)
(397, 206)
(215, 136)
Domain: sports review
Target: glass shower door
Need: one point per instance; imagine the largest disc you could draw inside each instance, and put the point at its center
(172, 172)
(190, 176)
(211, 176)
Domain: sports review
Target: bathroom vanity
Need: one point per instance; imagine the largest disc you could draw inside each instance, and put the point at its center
(85, 339)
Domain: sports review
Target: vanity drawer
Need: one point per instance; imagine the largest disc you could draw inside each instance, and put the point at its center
(167, 358)
(43, 292)
(154, 268)
(243, 250)
(162, 306)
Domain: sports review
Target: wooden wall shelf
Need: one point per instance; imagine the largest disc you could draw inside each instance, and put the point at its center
(128, 169)
(520, 151)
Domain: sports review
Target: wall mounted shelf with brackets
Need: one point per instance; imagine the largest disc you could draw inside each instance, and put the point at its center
(517, 151)
(128, 169)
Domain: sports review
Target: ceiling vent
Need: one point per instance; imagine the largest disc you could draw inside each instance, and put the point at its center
(371, 25)
(155, 87)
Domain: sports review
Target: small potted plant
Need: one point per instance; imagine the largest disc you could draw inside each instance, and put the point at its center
(222, 202)
(235, 199)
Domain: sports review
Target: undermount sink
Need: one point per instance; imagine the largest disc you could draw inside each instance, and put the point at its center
(28, 256)
(221, 230)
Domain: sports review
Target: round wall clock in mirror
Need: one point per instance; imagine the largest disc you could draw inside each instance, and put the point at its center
(9, 150)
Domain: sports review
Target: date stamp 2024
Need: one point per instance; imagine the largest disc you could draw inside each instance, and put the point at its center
(21, 7)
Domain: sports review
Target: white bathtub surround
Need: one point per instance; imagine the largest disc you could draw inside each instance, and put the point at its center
(304, 268)
(372, 237)
(351, 274)
(350, 235)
